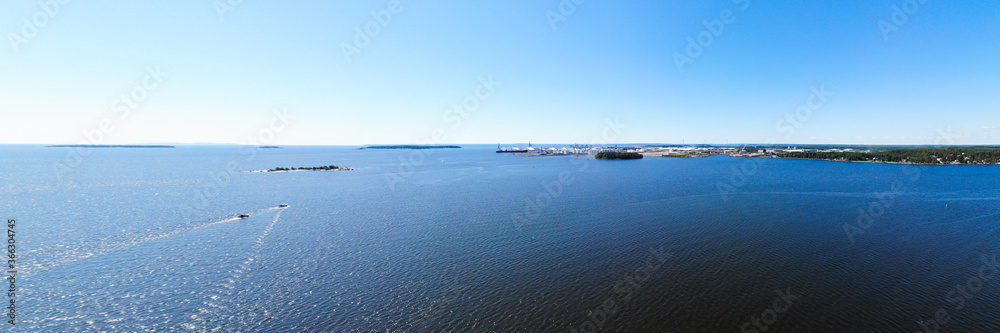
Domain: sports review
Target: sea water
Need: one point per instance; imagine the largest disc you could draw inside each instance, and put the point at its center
(468, 240)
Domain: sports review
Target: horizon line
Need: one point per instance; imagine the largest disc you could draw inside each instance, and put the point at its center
(534, 144)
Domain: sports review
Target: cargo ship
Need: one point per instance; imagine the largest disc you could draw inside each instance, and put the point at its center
(514, 149)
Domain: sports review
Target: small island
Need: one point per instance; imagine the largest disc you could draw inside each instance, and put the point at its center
(268, 147)
(410, 147)
(617, 156)
(319, 168)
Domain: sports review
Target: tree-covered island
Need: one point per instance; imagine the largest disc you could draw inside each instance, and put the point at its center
(608, 155)
(319, 168)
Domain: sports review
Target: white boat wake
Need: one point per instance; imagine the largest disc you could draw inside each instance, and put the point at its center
(43, 259)
(217, 303)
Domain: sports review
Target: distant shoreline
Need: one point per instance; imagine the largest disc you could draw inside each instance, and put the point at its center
(875, 162)
(965, 155)
(409, 147)
(822, 159)
(109, 146)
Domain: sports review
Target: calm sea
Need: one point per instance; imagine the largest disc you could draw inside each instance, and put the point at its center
(467, 240)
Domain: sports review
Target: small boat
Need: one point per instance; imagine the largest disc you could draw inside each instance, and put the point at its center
(243, 216)
(282, 205)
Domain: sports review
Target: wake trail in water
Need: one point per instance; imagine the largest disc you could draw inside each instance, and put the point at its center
(215, 301)
(63, 254)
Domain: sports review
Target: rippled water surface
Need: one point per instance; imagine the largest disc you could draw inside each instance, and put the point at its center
(468, 240)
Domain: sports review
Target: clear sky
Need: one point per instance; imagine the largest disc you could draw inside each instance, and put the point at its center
(929, 68)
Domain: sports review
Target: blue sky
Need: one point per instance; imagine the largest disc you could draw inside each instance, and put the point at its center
(221, 77)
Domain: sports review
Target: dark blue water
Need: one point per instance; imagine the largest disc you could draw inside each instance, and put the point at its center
(468, 240)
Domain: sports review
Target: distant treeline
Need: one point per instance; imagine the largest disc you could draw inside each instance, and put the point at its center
(948, 155)
(410, 147)
(617, 156)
